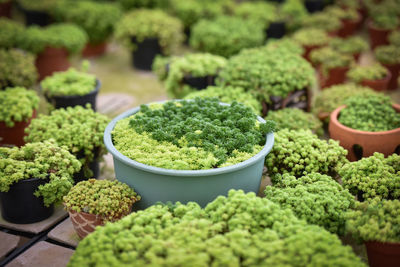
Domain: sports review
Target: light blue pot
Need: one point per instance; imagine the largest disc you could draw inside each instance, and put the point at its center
(155, 184)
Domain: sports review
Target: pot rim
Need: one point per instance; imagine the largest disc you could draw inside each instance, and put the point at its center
(180, 173)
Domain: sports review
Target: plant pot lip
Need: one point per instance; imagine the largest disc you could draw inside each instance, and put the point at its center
(180, 173)
(386, 78)
(94, 91)
(373, 242)
(334, 115)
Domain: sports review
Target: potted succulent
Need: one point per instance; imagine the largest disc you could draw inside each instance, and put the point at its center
(79, 129)
(377, 224)
(372, 177)
(295, 119)
(294, 12)
(324, 21)
(349, 18)
(394, 38)
(314, 197)
(389, 56)
(97, 19)
(17, 68)
(132, 4)
(18, 107)
(37, 12)
(148, 33)
(102, 201)
(380, 26)
(192, 72)
(286, 45)
(225, 36)
(375, 76)
(184, 147)
(33, 178)
(218, 235)
(310, 39)
(5, 8)
(365, 125)
(71, 88)
(53, 45)
(10, 33)
(352, 45)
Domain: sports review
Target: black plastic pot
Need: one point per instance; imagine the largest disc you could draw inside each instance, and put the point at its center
(199, 83)
(313, 6)
(145, 52)
(76, 100)
(276, 30)
(33, 17)
(20, 205)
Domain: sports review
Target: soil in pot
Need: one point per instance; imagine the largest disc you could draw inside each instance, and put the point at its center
(334, 76)
(94, 50)
(146, 51)
(14, 136)
(20, 205)
(276, 30)
(383, 254)
(377, 36)
(51, 60)
(199, 83)
(395, 71)
(378, 85)
(5, 9)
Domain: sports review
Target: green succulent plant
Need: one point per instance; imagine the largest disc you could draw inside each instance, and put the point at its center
(294, 12)
(328, 58)
(311, 37)
(322, 20)
(132, 4)
(42, 5)
(387, 54)
(225, 36)
(314, 197)
(373, 177)
(342, 13)
(144, 23)
(191, 65)
(61, 35)
(160, 66)
(10, 33)
(79, 129)
(377, 220)
(371, 113)
(218, 235)
(17, 68)
(373, 72)
(385, 20)
(300, 152)
(351, 45)
(110, 200)
(260, 12)
(285, 45)
(353, 4)
(43, 161)
(394, 38)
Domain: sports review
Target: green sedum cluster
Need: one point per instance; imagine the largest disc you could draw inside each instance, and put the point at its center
(322, 20)
(238, 230)
(300, 152)
(111, 200)
(79, 129)
(39, 160)
(131, 4)
(327, 58)
(351, 45)
(394, 38)
(373, 72)
(371, 113)
(10, 33)
(285, 45)
(295, 119)
(17, 104)
(348, 14)
(373, 177)
(311, 37)
(225, 36)
(259, 12)
(314, 197)
(387, 54)
(42, 5)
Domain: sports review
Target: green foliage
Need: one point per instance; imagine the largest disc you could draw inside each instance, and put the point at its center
(238, 230)
(315, 197)
(143, 23)
(17, 104)
(373, 177)
(225, 36)
(385, 21)
(132, 4)
(328, 58)
(373, 72)
(111, 200)
(17, 68)
(394, 38)
(192, 65)
(43, 161)
(322, 20)
(160, 66)
(42, 5)
(285, 45)
(370, 113)
(97, 19)
(342, 13)
(378, 220)
(387, 54)
(294, 12)
(350, 45)
(300, 152)
(259, 12)
(61, 35)
(295, 119)
(228, 95)
(311, 37)
(10, 33)
(79, 129)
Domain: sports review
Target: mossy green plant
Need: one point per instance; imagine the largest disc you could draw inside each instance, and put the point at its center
(133, 4)
(327, 58)
(394, 38)
(311, 37)
(260, 12)
(387, 54)
(10, 33)
(322, 20)
(351, 45)
(42, 5)
(373, 72)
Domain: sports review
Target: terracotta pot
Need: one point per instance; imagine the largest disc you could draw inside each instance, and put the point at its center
(383, 254)
(356, 56)
(14, 136)
(94, 50)
(335, 76)
(386, 142)
(377, 36)
(395, 71)
(5, 9)
(378, 85)
(307, 51)
(51, 60)
(349, 27)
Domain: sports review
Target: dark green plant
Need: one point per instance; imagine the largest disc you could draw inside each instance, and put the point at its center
(39, 160)
(225, 36)
(351, 45)
(143, 23)
(387, 54)
(110, 200)
(42, 5)
(79, 129)
(238, 230)
(311, 37)
(370, 113)
(133, 4)
(328, 58)
(17, 68)
(373, 72)
(315, 197)
(10, 33)
(300, 152)
(322, 20)
(394, 38)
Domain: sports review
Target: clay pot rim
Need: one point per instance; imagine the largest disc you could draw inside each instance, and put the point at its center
(386, 78)
(382, 243)
(334, 115)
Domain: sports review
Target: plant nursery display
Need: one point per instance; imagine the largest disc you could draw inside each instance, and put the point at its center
(389, 56)
(192, 72)
(148, 33)
(18, 107)
(375, 76)
(10, 32)
(310, 39)
(352, 45)
(217, 235)
(225, 36)
(103, 201)
(299, 152)
(79, 129)
(315, 197)
(32, 178)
